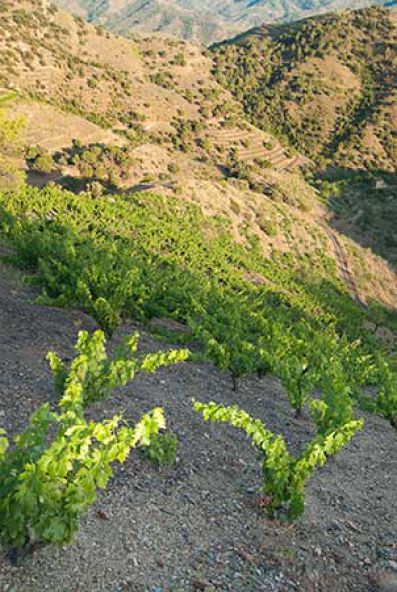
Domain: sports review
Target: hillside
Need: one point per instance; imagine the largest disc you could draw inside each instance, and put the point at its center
(327, 85)
(206, 21)
(172, 18)
(197, 524)
(80, 70)
(183, 134)
(167, 264)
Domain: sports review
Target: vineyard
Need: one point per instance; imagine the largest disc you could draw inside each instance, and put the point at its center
(201, 517)
(143, 257)
(185, 403)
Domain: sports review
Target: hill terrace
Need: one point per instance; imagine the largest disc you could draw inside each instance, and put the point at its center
(197, 273)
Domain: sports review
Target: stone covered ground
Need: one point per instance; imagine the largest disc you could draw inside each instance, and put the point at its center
(198, 525)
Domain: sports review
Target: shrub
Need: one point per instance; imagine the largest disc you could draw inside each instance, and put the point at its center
(45, 488)
(179, 59)
(11, 177)
(227, 330)
(386, 400)
(268, 227)
(44, 163)
(98, 374)
(173, 168)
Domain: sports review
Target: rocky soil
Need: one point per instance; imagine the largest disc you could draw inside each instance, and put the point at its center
(198, 525)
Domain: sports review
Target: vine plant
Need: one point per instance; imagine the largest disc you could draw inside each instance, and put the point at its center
(100, 375)
(49, 477)
(284, 475)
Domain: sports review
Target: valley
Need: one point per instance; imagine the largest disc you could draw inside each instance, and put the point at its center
(204, 22)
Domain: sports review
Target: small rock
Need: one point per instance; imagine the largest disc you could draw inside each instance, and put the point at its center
(199, 585)
(101, 515)
(386, 581)
(367, 561)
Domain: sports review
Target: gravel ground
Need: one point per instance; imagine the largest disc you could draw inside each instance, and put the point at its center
(197, 525)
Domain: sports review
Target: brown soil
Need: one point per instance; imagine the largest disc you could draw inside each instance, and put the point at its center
(197, 526)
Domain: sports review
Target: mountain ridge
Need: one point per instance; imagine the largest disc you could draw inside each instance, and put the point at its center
(181, 134)
(204, 22)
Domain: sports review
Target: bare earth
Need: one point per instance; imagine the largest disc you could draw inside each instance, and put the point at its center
(197, 526)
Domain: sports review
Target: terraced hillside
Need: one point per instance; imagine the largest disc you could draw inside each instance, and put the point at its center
(328, 85)
(134, 194)
(253, 145)
(144, 91)
(110, 114)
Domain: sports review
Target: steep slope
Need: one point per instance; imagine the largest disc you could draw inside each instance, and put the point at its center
(201, 21)
(155, 95)
(149, 509)
(192, 23)
(328, 85)
(363, 206)
(111, 114)
(186, 222)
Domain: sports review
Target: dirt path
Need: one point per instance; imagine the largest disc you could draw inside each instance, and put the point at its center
(196, 526)
(343, 265)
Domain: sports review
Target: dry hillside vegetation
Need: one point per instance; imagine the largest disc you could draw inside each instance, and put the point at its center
(146, 113)
(203, 21)
(326, 84)
(156, 16)
(43, 126)
(86, 72)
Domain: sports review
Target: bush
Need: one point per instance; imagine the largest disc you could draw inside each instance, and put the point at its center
(98, 375)
(268, 227)
(11, 177)
(44, 163)
(179, 59)
(173, 168)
